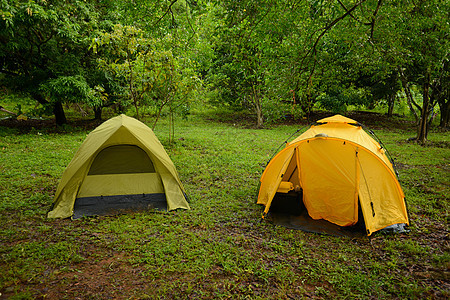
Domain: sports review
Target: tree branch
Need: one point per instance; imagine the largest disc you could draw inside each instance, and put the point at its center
(192, 28)
(345, 8)
(169, 9)
(409, 98)
(329, 26)
(257, 23)
(312, 50)
(4, 71)
(372, 23)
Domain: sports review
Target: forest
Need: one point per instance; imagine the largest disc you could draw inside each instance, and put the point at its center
(268, 59)
(223, 85)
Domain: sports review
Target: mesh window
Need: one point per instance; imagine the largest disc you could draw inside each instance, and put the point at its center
(121, 159)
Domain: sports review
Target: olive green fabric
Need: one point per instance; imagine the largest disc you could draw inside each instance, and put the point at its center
(118, 157)
(121, 184)
(121, 159)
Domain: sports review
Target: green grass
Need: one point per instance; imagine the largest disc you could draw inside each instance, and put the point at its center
(221, 248)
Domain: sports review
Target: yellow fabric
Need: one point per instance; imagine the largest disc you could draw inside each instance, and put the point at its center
(285, 187)
(121, 184)
(177, 199)
(120, 130)
(338, 126)
(328, 191)
(274, 174)
(338, 163)
(337, 119)
(380, 187)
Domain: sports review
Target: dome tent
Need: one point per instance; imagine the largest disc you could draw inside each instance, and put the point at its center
(336, 172)
(120, 166)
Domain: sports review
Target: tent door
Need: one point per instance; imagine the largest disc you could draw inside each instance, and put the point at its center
(329, 180)
(120, 178)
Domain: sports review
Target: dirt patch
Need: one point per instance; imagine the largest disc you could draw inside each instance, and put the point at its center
(49, 125)
(418, 266)
(430, 144)
(438, 144)
(372, 120)
(108, 277)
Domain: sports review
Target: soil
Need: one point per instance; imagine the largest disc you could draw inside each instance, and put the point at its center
(49, 125)
(371, 120)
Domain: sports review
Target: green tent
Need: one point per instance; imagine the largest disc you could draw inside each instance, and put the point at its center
(121, 166)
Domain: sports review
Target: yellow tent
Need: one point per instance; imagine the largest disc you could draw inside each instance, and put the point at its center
(337, 166)
(120, 166)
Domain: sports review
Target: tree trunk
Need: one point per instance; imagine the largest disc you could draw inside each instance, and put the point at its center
(306, 107)
(98, 113)
(158, 115)
(136, 106)
(171, 127)
(444, 106)
(409, 98)
(422, 132)
(391, 102)
(258, 108)
(259, 117)
(58, 110)
(60, 116)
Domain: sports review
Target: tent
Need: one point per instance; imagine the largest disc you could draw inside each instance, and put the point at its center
(120, 166)
(338, 174)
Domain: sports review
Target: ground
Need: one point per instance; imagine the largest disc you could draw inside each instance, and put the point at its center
(221, 248)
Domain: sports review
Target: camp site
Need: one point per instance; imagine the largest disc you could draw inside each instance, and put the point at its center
(224, 149)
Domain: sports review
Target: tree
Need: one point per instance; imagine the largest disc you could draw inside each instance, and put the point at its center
(442, 89)
(148, 74)
(283, 50)
(413, 36)
(322, 55)
(45, 43)
(384, 43)
(241, 61)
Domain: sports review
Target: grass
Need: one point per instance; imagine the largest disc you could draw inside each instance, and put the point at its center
(220, 248)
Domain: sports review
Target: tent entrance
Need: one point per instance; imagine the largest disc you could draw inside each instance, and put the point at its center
(288, 203)
(121, 159)
(288, 210)
(121, 178)
(328, 170)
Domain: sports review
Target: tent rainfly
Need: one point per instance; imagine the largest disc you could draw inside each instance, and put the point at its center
(121, 166)
(339, 174)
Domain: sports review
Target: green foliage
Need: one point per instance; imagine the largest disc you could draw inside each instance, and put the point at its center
(276, 110)
(70, 89)
(149, 74)
(337, 101)
(239, 67)
(237, 54)
(415, 41)
(16, 103)
(45, 44)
